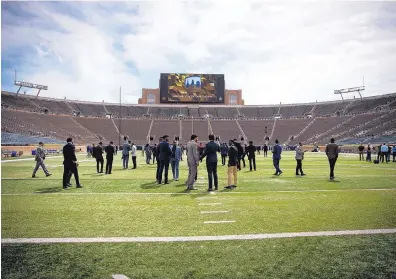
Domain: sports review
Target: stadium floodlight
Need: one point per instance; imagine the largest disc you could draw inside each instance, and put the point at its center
(28, 85)
(349, 90)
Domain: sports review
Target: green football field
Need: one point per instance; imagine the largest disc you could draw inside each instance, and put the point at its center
(129, 204)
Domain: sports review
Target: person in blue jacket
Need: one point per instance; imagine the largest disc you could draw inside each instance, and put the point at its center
(276, 156)
(175, 159)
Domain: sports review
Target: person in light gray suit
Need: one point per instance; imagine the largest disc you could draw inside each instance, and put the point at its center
(125, 153)
(299, 158)
(192, 161)
(40, 157)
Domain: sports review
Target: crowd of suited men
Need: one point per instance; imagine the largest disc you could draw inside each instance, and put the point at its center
(166, 154)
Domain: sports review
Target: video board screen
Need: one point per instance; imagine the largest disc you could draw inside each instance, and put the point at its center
(192, 88)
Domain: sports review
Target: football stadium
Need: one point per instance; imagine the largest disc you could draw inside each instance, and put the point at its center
(192, 181)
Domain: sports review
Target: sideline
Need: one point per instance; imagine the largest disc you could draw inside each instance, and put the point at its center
(192, 238)
(192, 194)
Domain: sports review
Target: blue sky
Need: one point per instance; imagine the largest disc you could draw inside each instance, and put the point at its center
(274, 51)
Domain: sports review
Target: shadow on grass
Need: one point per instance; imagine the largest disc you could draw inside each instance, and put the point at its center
(49, 190)
(150, 185)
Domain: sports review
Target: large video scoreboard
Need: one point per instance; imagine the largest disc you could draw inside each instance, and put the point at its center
(192, 88)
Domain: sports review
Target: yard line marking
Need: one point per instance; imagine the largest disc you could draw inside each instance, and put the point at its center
(119, 276)
(193, 238)
(215, 203)
(261, 192)
(214, 212)
(219, 222)
(33, 158)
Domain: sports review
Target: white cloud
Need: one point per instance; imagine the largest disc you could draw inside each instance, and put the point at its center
(274, 52)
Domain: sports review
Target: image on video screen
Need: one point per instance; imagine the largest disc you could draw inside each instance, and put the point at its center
(191, 88)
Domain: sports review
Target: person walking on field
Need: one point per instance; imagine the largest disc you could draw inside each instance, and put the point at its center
(224, 153)
(265, 150)
(361, 152)
(332, 155)
(110, 151)
(165, 154)
(133, 153)
(299, 158)
(98, 154)
(70, 164)
(40, 157)
(125, 153)
(192, 161)
(210, 152)
(232, 166)
(250, 150)
(276, 157)
(175, 160)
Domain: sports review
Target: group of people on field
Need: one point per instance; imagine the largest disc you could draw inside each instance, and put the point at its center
(384, 152)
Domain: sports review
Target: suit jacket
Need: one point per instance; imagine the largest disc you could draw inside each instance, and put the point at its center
(40, 154)
(176, 153)
(192, 152)
(239, 148)
(232, 156)
(69, 154)
(210, 152)
(224, 149)
(276, 152)
(98, 152)
(250, 150)
(110, 150)
(126, 148)
(299, 153)
(165, 152)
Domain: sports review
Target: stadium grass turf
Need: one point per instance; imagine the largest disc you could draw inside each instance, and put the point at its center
(130, 203)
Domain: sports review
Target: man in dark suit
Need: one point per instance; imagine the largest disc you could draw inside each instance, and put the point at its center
(240, 154)
(70, 164)
(210, 152)
(156, 156)
(165, 154)
(250, 150)
(98, 154)
(110, 151)
(276, 157)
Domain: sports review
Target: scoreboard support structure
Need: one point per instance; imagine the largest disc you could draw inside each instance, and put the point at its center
(28, 85)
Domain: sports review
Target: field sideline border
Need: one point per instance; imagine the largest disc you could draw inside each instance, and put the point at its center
(199, 193)
(6, 241)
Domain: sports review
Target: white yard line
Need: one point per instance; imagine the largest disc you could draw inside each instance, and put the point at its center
(33, 158)
(193, 238)
(219, 222)
(142, 194)
(214, 203)
(214, 212)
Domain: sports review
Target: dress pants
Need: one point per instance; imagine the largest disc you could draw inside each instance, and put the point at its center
(265, 153)
(70, 168)
(192, 173)
(368, 156)
(276, 165)
(38, 164)
(212, 174)
(361, 156)
(125, 161)
(223, 159)
(109, 165)
(175, 169)
(232, 175)
(299, 167)
(252, 160)
(332, 163)
(99, 160)
(134, 161)
(164, 167)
